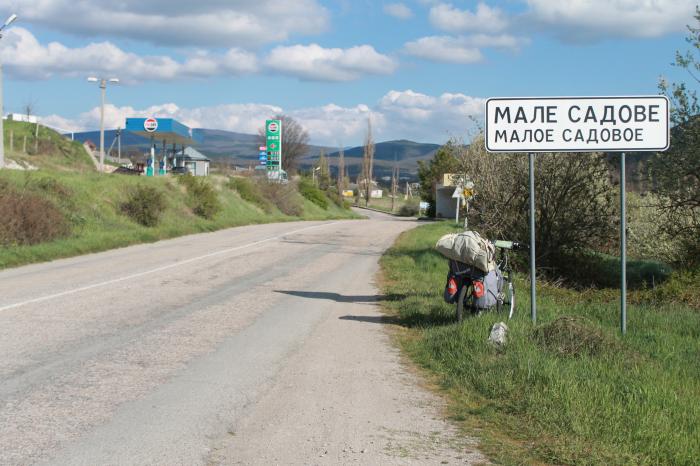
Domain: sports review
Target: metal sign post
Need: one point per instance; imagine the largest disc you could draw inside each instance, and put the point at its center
(533, 272)
(578, 124)
(623, 248)
(457, 195)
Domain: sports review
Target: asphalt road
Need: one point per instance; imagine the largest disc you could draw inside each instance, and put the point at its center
(254, 345)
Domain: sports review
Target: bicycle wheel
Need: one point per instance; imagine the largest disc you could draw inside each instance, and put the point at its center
(461, 302)
(511, 299)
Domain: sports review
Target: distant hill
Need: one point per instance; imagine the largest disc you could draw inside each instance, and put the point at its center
(240, 148)
(404, 153)
(399, 150)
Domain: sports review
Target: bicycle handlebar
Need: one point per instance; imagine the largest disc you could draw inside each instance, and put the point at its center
(514, 245)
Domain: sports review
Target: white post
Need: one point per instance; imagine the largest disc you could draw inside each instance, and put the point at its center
(103, 87)
(457, 211)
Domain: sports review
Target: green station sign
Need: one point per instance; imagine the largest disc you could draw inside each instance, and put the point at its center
(273, 139)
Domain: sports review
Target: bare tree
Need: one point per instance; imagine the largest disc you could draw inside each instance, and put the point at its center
(368, 162)
(341, 172)
(29, 109)
(394, 184)
(324, 172)
(295, 142)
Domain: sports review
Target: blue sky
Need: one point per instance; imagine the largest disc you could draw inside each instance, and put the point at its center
(418, 68)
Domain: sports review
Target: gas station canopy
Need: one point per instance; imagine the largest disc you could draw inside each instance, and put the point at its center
(164, 130)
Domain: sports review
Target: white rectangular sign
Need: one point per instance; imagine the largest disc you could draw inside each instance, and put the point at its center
(577, 124)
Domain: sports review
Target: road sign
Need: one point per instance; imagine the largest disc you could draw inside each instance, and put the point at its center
(262, 148)
(457, 194)
(577, 124)
(150, 125)
(273, 147)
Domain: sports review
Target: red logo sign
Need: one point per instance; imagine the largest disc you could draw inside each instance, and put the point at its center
(150, 125)
(272, 127)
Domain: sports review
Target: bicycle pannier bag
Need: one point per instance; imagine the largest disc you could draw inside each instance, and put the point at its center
(469, 248)
(451, 288)
(489, 289)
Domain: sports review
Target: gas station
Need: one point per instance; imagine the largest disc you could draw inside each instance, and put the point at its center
(171, 136)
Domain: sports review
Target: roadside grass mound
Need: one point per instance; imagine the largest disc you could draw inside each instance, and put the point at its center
(570, 390)
(91, 212)
(573, 336)
(50, 151)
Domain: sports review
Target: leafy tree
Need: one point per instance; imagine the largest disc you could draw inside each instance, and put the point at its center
(676, 173)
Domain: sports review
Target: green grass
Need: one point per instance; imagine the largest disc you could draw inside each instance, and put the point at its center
(92, 204)
(625, 400)
(384, 204)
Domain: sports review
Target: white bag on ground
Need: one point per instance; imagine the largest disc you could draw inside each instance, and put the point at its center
(470, 248)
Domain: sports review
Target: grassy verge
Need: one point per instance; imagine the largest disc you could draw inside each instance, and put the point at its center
(92, 205)
(402, 207)
(569, 391)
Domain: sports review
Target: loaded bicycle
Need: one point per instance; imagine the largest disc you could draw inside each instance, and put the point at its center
(481, 276)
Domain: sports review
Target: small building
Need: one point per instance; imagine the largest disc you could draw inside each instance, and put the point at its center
(22, 117)
(194, 161)
(445, 204)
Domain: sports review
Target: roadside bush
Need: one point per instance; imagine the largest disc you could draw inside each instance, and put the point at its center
(409, 210)
(251, 192)
(29, 218)
(648, 236)
(283, 196)
(145, 205)
(313, 194)
(203, 198)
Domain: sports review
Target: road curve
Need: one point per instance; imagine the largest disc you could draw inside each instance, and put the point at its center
(253, 345)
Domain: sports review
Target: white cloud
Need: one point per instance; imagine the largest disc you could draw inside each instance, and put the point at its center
(585, 20)
(397, 115)
(444, 49)
(398, 10)
(26, 57)
(337, 126)
(460, 49)
(315, 63)
(446, 17)
(224, 23)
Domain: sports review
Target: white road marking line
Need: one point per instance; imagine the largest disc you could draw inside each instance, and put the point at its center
(157, 269)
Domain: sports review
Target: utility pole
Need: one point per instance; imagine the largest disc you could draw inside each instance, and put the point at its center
(394, 186)
(9, 21)
(103, 88)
